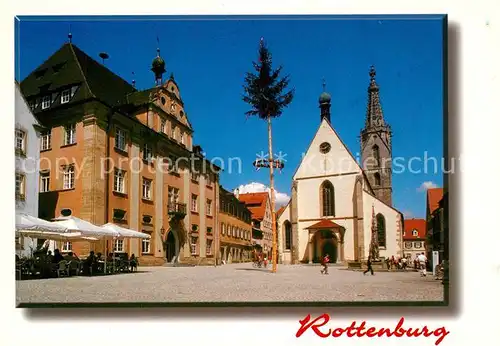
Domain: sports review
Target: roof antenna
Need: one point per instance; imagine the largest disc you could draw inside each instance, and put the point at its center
(70, 35)
(133, 79)
(103, 56)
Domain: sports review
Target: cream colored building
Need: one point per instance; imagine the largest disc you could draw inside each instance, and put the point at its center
(332, 202)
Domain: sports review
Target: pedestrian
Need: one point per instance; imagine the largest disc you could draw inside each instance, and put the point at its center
(404, 260)
(324, 263)
(368, 266)
(388, 263)
(422, 259)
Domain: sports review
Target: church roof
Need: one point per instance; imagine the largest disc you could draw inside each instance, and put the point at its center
(280, 211)
(433, 197)
(324, 224)
(414, 224)
(256, 203)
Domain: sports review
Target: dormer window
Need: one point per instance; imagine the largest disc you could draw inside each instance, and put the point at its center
(182, 138)
(58, 67)
(45, 102)
(65, 96)
(147, 153)
(415, 233)
(39, 74)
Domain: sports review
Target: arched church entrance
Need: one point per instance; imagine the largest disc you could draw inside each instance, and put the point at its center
(171, 246)
(325, 242)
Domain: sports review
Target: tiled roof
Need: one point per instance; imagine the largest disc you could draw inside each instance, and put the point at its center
(280, 211)
(324, 224)
(256, 203)
(433, 198)
(414, 224)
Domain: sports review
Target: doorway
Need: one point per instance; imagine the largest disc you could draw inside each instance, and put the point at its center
(170, 246)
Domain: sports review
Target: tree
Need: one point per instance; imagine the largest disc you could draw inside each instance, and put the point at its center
(264, 91)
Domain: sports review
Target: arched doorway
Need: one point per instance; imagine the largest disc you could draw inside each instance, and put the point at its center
(325, 242)
(170, 247)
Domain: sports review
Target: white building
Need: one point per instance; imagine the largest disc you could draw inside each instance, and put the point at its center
(27, 149)
(334, 200)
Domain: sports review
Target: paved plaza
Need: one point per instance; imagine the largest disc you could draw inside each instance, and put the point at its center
(232, 283)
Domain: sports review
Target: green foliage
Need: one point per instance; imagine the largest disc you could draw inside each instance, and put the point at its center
(265, 89)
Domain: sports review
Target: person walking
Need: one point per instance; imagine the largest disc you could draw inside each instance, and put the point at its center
(324, 263)
(422, 260)
(368, 266)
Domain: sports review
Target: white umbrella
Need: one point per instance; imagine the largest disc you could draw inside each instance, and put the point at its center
(70, 236)
(25, 222)
(125, 232)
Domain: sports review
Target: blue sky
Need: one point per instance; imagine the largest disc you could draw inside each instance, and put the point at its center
(210, 57)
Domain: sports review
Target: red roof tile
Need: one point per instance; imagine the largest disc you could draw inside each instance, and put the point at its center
(280, 211)
(433, 198)
(414, 224)
(323, 224)
(256, 203)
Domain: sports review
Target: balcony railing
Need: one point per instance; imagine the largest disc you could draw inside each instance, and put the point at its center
(177, 209)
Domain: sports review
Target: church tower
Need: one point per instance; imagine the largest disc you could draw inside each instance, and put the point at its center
(376, 146)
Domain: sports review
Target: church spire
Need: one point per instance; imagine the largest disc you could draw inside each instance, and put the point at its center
(374, 115)
(324, 103)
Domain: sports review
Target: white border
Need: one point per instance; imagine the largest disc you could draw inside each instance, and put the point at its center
(479, 25)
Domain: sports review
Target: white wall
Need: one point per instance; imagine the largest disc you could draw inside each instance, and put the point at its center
(28, 165)
(392, 224)
(284, 255)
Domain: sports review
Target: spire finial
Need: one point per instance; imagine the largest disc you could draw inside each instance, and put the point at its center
(70, 35)
(133, 79)
(324, 84)
(158, 47)
(372, 73)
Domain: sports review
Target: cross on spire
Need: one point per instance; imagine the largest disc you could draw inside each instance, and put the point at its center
(70, 35)
(324, 84)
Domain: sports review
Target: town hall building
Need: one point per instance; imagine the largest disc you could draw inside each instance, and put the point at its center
(337, 204)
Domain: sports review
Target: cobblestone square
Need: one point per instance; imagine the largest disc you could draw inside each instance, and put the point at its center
(232, 283)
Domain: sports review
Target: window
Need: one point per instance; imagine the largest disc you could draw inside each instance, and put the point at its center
(376, 179)
(20, 186)
(328, 199)
(69, 177)
(408, 245)
(194, 245)
(146, 246)
(119, 181)
(163, 122)
(182, 138)
(209, 207)
(381, 230)
(45, 102)
(65, 96)
(417, 245)
(118, 246)
(174, 132)
(44, 181)
(208, 180)
(194, 203)
(20, 141)
(376, 155)
(147, 153)
(146, 188)
(67, 246)
(45, 140)
(120, 142)
(70, 134)
(222, 229)
(415, 233)
(173, 195)
(209, 247)
(288, 235)
(195, 176)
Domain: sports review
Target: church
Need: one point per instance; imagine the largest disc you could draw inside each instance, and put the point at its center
(339, 206)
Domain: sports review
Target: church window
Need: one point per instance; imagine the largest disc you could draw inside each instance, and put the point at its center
(327, 199)
(381, 230)
(288, 235)
(376, 155)
(377, 179)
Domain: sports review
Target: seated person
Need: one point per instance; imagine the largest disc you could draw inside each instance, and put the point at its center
(57, 256)
(89, 263)
(68, 256)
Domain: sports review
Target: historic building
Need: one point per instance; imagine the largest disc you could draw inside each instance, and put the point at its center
(112, 153)
(27, 152)
(336, 205)
(235, 228)
(435, 223)
(414, 238)
(259, 204)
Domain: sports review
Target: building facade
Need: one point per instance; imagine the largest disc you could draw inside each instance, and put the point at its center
(235, 225)
(414, 238)
(112, 153)
(435, 223)
(27, 153)
(334, 208)
(259, 204)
